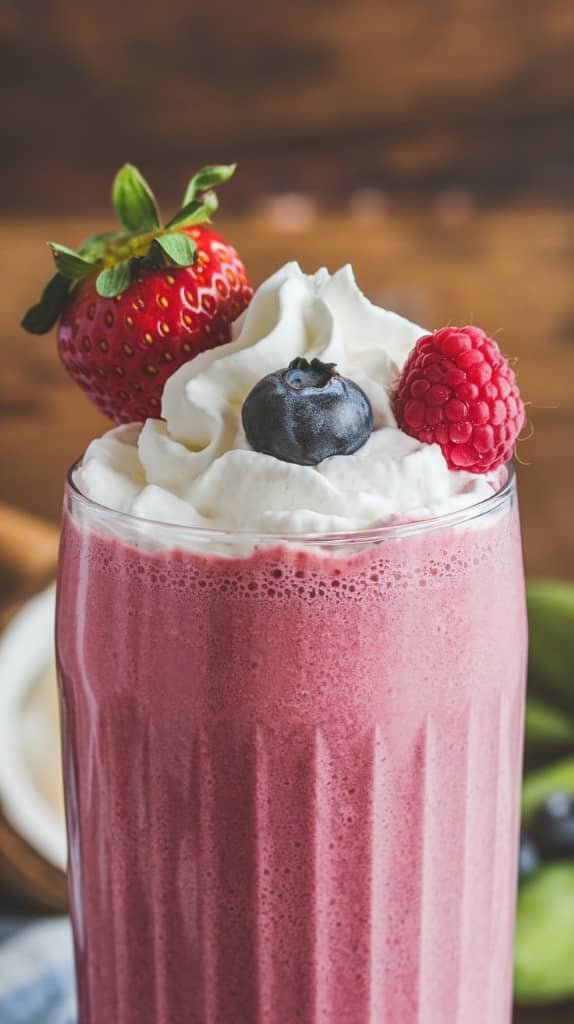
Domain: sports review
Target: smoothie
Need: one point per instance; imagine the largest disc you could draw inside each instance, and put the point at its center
(293, 777)
(292, 643)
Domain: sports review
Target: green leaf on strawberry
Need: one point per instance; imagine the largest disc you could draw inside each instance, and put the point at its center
(94, 247)
(134, 201)
(115, 255)
(116, 279)
(41, 318)
(197, 211)
(206, 179)
(70, 264)
(179, 249)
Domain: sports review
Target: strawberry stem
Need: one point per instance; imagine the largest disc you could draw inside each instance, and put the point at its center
(116, 256)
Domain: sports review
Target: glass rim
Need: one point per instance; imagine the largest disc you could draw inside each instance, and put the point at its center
(372, 535)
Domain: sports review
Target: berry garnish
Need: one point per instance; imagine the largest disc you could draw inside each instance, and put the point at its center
(458, 390)
(553, 826)
(528, 859)
(135, 303)
(307, 412)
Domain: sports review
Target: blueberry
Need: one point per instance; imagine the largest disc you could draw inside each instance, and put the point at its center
(528, 859)
(553, 826)
(306, 413)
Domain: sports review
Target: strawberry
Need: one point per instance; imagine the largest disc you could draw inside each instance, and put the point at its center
(135, 304)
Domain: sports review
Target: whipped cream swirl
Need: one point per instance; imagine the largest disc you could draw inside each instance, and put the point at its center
(195, 467)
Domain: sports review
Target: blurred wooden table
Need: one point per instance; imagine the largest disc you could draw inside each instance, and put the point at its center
(509, 269)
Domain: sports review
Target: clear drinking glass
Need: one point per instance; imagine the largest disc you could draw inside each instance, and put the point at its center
(292, 768)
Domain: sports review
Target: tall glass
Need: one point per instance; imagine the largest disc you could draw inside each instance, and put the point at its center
(292, 768)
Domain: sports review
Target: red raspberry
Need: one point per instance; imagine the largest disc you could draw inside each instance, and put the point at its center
(457, 390)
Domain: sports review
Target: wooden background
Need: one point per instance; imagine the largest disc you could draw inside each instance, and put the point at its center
(430, 142)
(329, 95)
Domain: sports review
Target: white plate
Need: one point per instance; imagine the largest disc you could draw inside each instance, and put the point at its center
(30, 763)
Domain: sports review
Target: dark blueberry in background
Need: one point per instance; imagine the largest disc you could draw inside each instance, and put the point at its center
(553, 826)
(528, 859)
(306, 413)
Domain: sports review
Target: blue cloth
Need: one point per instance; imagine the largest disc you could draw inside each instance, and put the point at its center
(37, 974)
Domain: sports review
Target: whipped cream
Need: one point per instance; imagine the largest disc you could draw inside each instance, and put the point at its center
(195, 467)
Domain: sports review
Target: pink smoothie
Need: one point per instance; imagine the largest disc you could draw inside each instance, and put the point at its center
(293, 778)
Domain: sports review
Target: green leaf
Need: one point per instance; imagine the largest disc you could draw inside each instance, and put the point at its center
(134, 201)
(70, 264)
(95, 246)
(198, 211)
(207, 178)
(210, 203)
(114, 280)
(179, 249)
(41, 318)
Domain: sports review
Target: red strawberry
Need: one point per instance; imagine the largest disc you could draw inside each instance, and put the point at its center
(134, 305)
(457, 390)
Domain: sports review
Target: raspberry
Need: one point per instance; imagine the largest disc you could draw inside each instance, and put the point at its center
(457, 390)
